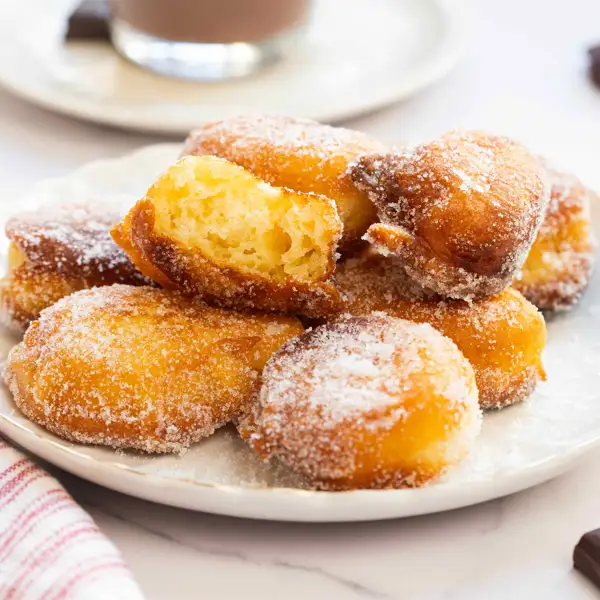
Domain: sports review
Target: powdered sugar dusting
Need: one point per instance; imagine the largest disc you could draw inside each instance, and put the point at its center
(551, 428)
(27, 290)
(561, 260)
(138, 367)
(251, 136)
(461, 212)
(298, 154)
(362, 376)
(74, 240)
(357, 376)
(502, 336)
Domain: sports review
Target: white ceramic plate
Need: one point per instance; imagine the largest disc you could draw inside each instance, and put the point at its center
(518, 448)
(365, 55)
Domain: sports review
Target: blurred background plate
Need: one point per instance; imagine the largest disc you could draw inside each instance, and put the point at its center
(359, 55)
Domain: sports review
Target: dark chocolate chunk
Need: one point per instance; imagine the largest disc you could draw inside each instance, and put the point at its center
(90, 21)
(586, 557)
(594, 67)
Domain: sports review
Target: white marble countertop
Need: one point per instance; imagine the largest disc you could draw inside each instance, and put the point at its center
(524, 76)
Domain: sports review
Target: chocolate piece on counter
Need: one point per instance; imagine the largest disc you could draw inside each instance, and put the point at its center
(90, 21)
(586, 557)
(594, 68)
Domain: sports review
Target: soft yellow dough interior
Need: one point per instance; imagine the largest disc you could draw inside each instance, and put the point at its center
(237, 220)
(15, 257)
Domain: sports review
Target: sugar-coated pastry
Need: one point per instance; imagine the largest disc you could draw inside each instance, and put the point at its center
(559, 264)
(503, 336)
(212, 229)
(56, 251)
(298, 154)
(140, 367)
(27, 289)
(367, 402)
(462, 211)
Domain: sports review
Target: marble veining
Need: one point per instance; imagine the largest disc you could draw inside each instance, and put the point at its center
(360, 590)
(519, 548)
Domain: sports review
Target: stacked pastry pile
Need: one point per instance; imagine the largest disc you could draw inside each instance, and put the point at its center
(409, 265)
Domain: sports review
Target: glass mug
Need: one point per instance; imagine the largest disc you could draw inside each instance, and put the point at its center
(206, 40)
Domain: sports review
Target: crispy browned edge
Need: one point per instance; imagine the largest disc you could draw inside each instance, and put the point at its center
(50, 257)
(27, 289)
(389, 239)
(550, 296)
(168, 264)
(564, 293)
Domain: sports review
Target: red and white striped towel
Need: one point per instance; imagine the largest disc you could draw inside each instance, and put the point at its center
(50, 549)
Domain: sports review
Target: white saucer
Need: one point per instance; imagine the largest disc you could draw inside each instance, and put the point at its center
(518, 448)
(360, 55)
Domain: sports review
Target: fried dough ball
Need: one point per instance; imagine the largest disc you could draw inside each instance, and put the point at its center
(214, 230)
(367, 402)
(560, 262)
(503, 337)
(56, 251)
(26, 290)
(298, 154)
(140, 367)
(462, 211)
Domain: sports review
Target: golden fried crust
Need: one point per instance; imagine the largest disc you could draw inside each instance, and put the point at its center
(121, 234)
(56, 251)
(298, 154)
(27, 290)
(172, 264)
(73, 240)
(503, 337)
(139, 367)
(560, 262)
(366, 402)
(461, 212)
(194, 275)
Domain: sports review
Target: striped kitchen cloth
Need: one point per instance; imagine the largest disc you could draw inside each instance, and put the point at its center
(50, 549)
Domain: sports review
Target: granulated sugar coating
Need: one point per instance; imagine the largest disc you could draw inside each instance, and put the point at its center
(139, 367)
(74, 241)
(559, 265)
(298, 154)
(367, 402)
(27, 290)
(462, 212)
(503, 336)
(58, 250)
